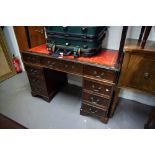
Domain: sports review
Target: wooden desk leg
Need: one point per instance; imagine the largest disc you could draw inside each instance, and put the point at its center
(115, 102)
(150, 119)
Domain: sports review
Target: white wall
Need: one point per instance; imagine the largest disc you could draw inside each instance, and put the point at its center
(12, 43)
(111, 41)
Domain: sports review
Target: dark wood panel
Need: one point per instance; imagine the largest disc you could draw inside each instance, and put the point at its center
(22, 38)
(51, 63)
(7, 123)
(94, 111)
(31, 58)
(72, 67)
(45, 82)
(139, 73)
(36, 35)
(96, 100)
(99, 88)
(99, 73)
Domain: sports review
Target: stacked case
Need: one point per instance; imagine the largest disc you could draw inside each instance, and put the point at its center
(84, 39)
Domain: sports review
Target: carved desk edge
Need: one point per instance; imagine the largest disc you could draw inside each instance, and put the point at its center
(115, 68)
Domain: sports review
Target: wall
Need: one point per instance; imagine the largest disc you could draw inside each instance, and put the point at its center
(12, 43)
(111, 41)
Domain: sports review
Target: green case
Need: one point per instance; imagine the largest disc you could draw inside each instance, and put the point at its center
(87, 40)
(92, 32)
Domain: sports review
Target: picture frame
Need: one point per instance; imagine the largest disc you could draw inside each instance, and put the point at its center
(7, 68)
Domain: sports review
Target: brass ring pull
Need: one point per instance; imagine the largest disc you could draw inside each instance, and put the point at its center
(66, 66)
(146, 75)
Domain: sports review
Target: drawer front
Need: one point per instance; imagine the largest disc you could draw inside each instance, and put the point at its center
(34, 59)
(139, 73)
(99, 73)
(72, 67)
(40, 89)
(96, 100)
(94, 110)
(51, 63)
(37, 82)
(34, 72)
(98, 88)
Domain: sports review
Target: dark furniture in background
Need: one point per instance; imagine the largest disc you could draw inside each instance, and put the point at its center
(138, 68)
(100, 93)
(150, 123)
(29, 36)
(7, 123)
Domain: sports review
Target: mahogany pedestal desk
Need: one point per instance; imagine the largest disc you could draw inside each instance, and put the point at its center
(48, 74)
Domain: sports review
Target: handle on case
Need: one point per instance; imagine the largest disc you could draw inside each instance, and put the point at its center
(65, 28)
(85, 46)
(84, 29)
(67, 43)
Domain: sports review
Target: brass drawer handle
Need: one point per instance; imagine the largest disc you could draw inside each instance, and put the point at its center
(107, 90)
(51, 63)
(73, 67)
(66, 66)
(95, 72)
(99, 88)
(93, 111)
(40, 31)
(98, 100)
(146, 75)
(98, 76)
(29, 58)
(34, 80)
(93, 86)
(33, 71)
(96, 90)
(93, 100)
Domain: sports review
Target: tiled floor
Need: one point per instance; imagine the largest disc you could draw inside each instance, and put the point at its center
(17, 103)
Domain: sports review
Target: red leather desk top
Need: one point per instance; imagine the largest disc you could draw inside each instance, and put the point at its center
(105, 57)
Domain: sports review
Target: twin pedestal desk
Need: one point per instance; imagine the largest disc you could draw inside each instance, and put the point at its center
(48, 74)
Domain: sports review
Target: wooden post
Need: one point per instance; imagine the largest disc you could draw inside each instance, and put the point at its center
(122, 42)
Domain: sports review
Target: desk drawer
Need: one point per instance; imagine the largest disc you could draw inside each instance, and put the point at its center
(96, 100)
(98, 87)
(34, 59)
(51, 63)
(94, 110)
(72, 67)
(34, 72)
(99, 73)
(34, 81)
(40, 89)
